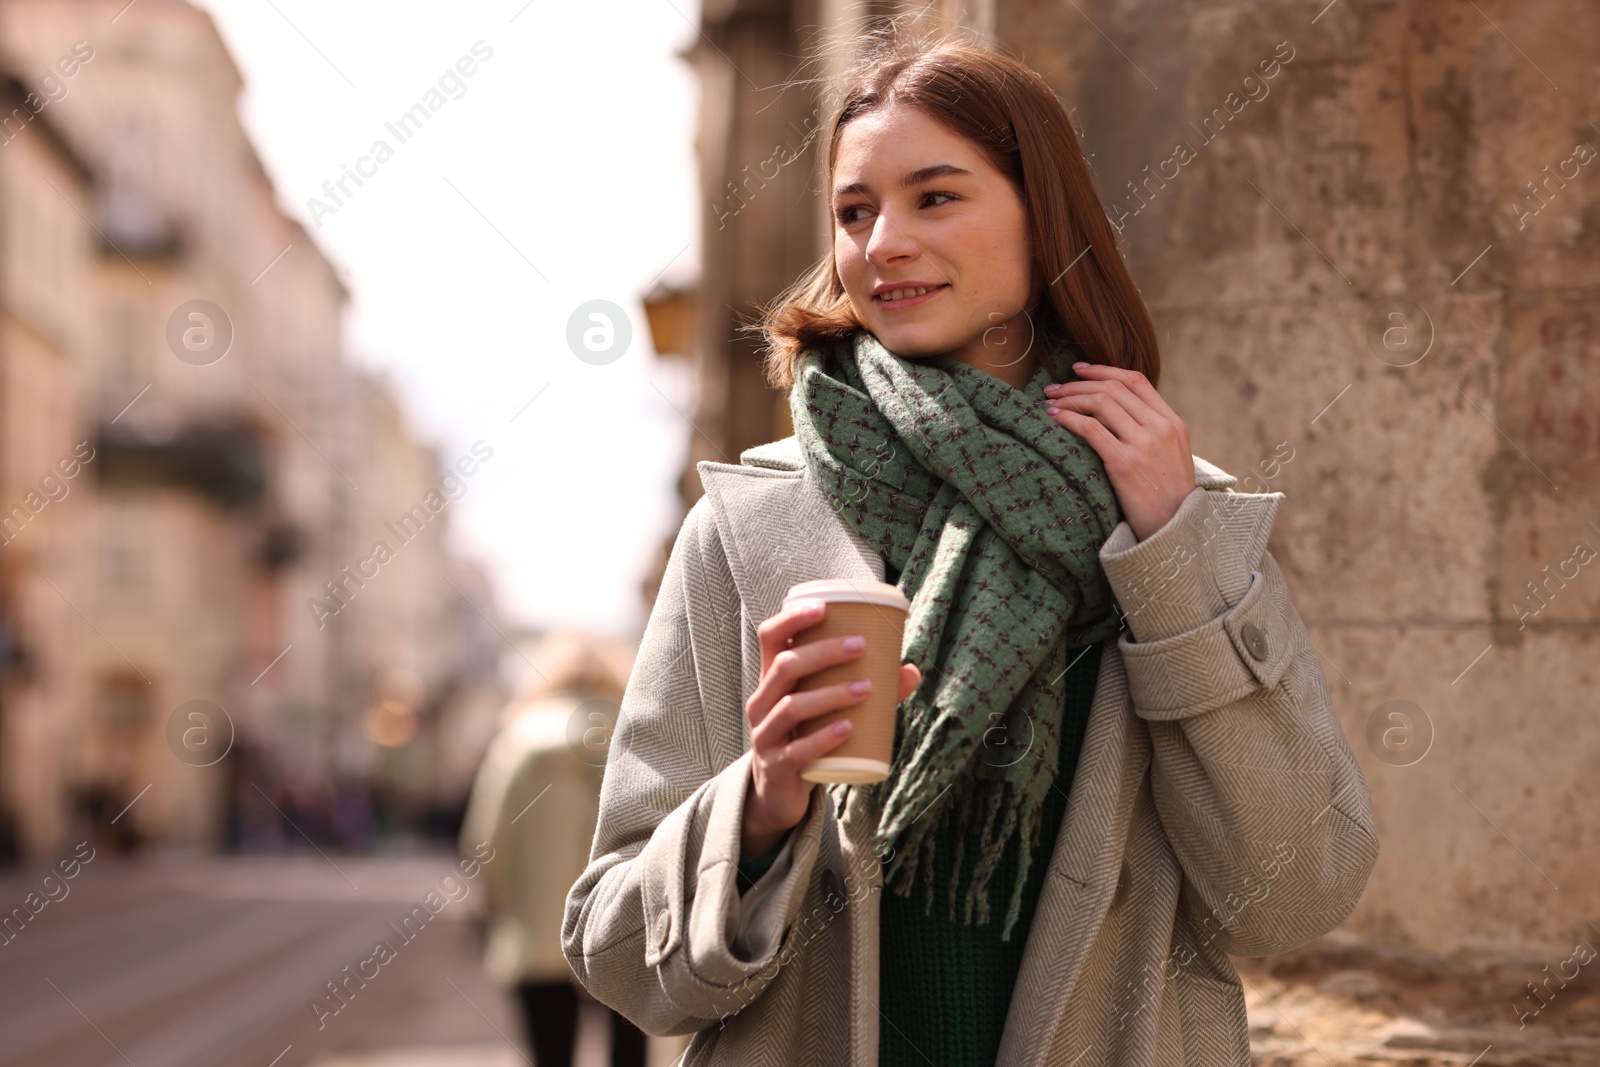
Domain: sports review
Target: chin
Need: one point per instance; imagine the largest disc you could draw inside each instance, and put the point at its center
(915, 342)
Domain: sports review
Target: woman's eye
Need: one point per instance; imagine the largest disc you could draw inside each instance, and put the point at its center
(847, 215)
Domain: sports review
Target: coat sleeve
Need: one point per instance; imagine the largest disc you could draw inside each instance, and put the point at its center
(1251, 775)
(656, 926)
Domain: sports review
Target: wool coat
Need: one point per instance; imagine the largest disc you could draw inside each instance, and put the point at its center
(1216, 807)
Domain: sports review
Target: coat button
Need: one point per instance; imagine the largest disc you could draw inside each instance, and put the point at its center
(1255, 642)
(832, 891)
(663, 928)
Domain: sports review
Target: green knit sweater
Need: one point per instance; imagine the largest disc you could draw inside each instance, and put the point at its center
(945, 987)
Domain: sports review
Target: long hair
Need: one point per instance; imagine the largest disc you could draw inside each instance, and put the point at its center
(1011, 114)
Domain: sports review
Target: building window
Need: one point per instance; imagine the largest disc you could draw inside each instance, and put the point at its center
(124, 543)
(124, 348)
(130, 205)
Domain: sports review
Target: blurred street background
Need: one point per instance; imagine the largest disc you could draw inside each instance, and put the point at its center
(351, 358)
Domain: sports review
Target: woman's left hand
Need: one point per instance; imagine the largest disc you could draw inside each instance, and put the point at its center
(1143, 443)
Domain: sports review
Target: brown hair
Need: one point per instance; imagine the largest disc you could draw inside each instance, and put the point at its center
(1011, 114)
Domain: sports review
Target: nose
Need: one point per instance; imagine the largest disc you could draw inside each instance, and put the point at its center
(889, 241)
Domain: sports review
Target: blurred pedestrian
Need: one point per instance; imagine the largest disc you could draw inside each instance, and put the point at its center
(535, 800)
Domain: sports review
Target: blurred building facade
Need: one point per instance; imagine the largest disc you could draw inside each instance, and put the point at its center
(1377, 260)
(173, 339)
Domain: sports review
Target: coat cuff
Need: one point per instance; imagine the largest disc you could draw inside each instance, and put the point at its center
(727, 939)
(1202, 631)
(1194, 568)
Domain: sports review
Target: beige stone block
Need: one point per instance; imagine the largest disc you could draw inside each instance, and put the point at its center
(1485, 843)
(1387, 516)
(1548, 467)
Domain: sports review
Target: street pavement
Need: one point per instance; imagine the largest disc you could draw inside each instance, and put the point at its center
(217, 962)
(184, 962)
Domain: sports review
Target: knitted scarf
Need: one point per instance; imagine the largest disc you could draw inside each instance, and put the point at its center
(993, 514)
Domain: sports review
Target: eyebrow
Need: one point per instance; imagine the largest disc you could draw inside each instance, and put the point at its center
(938, 170)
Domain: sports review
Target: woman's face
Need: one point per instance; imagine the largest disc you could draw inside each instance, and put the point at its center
(959, 229)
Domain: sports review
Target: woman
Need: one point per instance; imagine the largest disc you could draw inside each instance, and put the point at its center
(1116, 762)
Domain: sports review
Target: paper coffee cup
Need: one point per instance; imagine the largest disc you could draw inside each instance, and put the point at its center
(876, 611)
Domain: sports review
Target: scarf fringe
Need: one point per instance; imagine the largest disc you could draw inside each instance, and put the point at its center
(912, 864)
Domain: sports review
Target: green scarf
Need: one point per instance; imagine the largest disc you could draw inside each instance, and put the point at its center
(993, 514)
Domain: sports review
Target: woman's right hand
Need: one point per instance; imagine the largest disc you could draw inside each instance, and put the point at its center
(778, 796)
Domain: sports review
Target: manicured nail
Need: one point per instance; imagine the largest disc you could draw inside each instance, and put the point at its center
(860, 686)
(1078, 364)
(855, 643)
(1051, 411)
(841, 727)
(812, 607)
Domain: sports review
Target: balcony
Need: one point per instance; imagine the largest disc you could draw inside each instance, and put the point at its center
(224, 463)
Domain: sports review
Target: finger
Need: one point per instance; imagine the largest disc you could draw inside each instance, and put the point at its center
(910, 678)
(1130, 401)
(802, 750)
(1161, 424)
(1102, 440)
(1134, 380)
(776, 632)
(796, 708)
(777, 680)
(1109, 410)
(785, 669)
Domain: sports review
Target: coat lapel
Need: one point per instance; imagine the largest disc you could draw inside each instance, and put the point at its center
(1084, 868)
(778, 530)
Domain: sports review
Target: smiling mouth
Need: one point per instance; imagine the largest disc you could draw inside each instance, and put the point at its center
(899, 295)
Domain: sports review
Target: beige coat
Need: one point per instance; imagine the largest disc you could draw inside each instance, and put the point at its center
(1216, 808)
(535, 801)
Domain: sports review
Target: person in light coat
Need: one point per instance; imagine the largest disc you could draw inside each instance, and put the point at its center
(535, 800)
(1216, 808)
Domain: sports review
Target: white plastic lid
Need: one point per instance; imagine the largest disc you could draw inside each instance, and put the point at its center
(849, 591)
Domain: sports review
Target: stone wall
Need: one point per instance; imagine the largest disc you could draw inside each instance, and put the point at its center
(1380, 261)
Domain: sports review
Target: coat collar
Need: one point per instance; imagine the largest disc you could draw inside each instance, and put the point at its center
(778, 529)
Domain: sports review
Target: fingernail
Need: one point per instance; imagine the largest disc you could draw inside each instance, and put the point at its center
(812, 607)
(860, 686)
(841, 727)
(855, 643)
(1051, 411)
(1051, 388)
(1080, 363)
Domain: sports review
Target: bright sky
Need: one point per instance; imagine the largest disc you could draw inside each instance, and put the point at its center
(560, 172)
